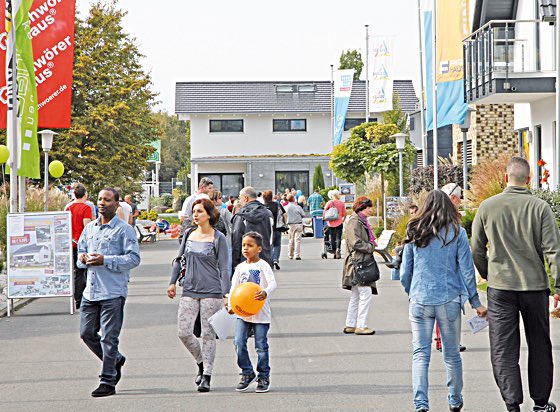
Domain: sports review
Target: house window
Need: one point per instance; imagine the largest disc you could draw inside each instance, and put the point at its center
(289, 125)
(411, 123)
(288, 180)
(230, 184)
(351, 123)
(226, 126)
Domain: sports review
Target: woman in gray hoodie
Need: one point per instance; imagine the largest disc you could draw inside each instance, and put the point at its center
(205, 285)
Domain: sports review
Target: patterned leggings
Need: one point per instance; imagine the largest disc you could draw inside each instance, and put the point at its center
(188, 312)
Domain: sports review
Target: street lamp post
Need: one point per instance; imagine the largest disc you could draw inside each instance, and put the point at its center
(400, 139)
(46, 143)
(465, 126)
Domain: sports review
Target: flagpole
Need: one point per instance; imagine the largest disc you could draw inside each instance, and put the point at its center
(11, 83)
(367, 73)
(332, 117)
(422, 102)
(434, 95)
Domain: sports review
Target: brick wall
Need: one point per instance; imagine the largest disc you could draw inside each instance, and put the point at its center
(492, 133)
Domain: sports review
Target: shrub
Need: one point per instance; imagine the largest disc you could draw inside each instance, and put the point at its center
(487, 179)
(170, 211)
(325, 192)
(399, 226)
(550, 197)
(423, 177)
(167, 199)
(467, 220)
(377, 231)
(148, 215)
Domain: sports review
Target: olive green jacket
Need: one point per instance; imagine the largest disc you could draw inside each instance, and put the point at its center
(520, 231)
(358, 247)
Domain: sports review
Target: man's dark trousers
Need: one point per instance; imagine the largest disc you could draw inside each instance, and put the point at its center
(504, 308)
(106, 315)
(80, 276)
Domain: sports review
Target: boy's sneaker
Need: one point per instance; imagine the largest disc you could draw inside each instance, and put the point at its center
(263, 385)
(549, 407)
(245, 381)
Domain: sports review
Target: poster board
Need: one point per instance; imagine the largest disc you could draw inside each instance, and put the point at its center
(348, 193)
(39, 249)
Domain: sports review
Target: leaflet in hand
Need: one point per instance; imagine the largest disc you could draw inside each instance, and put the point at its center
(477, 323)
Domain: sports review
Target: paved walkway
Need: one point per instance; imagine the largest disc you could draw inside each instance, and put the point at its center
(45, 367)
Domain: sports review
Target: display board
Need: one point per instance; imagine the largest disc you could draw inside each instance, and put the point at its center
(39, 249)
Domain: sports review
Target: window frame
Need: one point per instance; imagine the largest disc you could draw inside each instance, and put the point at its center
(290, 130)
(210, 121)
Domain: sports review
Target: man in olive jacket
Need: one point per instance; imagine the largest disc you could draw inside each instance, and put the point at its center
(520, 231)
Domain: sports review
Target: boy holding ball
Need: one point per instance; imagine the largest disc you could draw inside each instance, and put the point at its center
(257, 271)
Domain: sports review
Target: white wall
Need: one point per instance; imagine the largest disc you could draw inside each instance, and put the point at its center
(530, 115)
(258, 138)
(543, 113)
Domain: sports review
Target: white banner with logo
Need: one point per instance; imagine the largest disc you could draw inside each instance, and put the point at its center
(381, 77)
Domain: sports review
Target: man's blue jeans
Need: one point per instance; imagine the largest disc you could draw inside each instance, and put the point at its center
(107, 316)
(422, 319)
(276, 245)
(261, 345)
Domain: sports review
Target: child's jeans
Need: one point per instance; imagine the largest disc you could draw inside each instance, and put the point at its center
(261, 345)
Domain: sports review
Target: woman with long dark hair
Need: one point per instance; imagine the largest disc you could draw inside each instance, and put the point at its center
(205, 286)
(438, 275)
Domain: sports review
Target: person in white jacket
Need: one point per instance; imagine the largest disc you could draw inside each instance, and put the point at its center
(258, 271)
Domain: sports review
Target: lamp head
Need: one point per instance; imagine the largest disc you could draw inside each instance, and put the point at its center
(400, 140)
(466, 125)
(47, 139)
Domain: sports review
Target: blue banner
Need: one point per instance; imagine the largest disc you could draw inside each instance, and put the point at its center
(451, 106)
(342, 90)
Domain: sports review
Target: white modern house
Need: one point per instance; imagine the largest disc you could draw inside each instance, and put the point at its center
(270, 135)
(510, 59)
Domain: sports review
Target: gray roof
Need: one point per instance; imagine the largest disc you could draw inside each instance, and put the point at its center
(261, 97)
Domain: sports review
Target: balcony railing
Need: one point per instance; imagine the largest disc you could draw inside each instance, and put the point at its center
(504, 49)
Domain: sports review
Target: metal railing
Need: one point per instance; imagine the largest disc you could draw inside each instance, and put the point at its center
(502, 48)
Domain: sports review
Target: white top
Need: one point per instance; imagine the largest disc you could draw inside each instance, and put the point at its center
(186, 210)
(261, 274)
(127, 209)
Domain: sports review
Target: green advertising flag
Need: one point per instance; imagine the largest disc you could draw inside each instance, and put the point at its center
(29, 165)
(155, 156)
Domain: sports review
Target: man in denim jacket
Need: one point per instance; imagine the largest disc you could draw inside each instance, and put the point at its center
(108, 249)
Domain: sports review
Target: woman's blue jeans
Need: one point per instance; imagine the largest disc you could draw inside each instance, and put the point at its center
(261, 345)
(448, 317)
(276, 245)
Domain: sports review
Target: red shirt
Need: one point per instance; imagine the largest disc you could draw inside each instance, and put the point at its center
(79, 211)
(339, 204)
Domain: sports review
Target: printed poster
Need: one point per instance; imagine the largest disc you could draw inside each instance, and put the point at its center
(39, 255)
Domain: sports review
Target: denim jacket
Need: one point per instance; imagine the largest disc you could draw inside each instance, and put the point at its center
(435, 275)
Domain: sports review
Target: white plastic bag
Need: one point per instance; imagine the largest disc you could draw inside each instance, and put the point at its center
(223, 323)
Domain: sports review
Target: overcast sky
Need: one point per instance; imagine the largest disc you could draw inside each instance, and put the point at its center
(223, 40)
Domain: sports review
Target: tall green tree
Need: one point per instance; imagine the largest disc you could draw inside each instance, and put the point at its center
(173, 145)
(318, 178)
(351, 159)
(352, 59)
(112, 100)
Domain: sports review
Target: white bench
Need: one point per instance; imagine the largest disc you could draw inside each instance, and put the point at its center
(145, 236)
(383, 243)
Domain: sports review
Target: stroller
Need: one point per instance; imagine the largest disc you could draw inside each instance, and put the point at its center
(328, 244)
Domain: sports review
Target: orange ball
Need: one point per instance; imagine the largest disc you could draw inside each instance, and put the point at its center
(243, 300)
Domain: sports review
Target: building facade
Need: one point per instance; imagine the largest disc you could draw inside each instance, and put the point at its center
(510, 62)
(270, 135)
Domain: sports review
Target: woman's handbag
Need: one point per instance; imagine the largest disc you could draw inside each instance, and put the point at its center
(331, 214)
(281, 224)
(365, 272)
